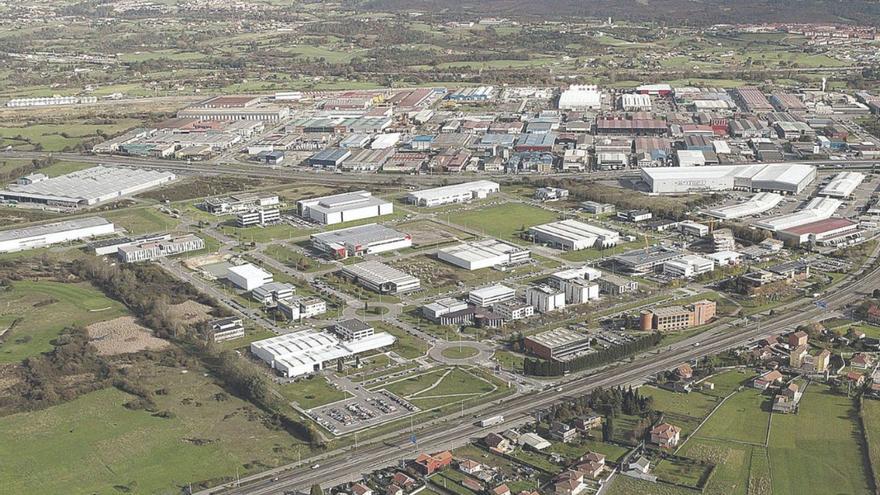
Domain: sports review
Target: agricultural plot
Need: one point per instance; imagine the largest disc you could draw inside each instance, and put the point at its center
(59, 137)
(683, 410)
(732, 464)
(871, 419)
(34, 313)
(742, 418)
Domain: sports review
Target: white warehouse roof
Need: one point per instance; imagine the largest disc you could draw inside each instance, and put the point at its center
(759, 203)
(817, 209)
(843, 185)
(787, 177)
(477, 188)
(89, 186)
(305, 352)
(580, 97)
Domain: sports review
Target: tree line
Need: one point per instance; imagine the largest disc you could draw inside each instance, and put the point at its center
(544, 367)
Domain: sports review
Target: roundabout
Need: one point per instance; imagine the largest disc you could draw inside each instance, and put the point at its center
(463, 352)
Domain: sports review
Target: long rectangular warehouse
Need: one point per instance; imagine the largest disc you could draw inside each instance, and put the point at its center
(757, 204)
(381, 278)
(345, 207)
(362, 239)
(483, 254)
(843, 185)
(304, 352)
(572, 235)
(817, 209)
(87, 187)
(455, 193)
(788, 178)
(48, 234)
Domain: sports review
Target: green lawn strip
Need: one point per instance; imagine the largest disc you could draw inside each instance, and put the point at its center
(312, 392)
(407, 346)
(624, 485)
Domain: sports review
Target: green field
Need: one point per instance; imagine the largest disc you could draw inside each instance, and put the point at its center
(58, 137)
(407, 346)
(294, 259)
(41, 310)
(742, 418)
(463, 353)
(504, 221)
(138, 221)
(95, 445)
(871, 419)
(312, 392)
(62, 168)
(441, 387)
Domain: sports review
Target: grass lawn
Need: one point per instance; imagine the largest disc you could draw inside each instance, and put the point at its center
(728, 381)
(62, 168)
(694, 404)
(574, 450)
(624, 485)
(743, 418)
(871, 418)
(58, 137)
(463, 353)
(441, 388)
(504, 221)
(679, 471)
(816, 450)
(41, 310)
(510, 360)
(732, 464)
(407, 346)
(294, 259)
(139, 221)
(312, 392)
(95, 445)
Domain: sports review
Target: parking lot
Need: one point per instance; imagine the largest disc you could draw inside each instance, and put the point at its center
(363, 411)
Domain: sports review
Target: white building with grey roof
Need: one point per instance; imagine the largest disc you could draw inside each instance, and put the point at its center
(455, 193)
(38, 236)
(360, 240)
(381, 278)
(345, 207)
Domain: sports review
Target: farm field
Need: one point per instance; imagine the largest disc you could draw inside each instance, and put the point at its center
(41, 310)
(96, 445)
(58, 137)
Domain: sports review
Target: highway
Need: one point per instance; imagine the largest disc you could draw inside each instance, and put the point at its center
(346, 465)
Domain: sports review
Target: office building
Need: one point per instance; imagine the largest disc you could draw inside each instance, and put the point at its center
(433, 311)
(580, 273)
(615, 285)
(545, 299)
(345, 207)
(634, 216)
(259, 216)
(580, 291)
(224, 329)
(38, 236)
(271, 293)
(597, 208)
(513, 310)
(688, 266)
(360, 240)
(572, 235)
(693, 229)
(673, 318)
(483, 254)
(491, 295)
(151, 250)
(560, 344)
(307, 351)
(646, 260)
(248, 276)
(381, 278)
(456, 193)
(241, 202)
(353, 329)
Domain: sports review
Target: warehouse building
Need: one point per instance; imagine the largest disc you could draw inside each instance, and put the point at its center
(38, 236)
(646, 260)
(248, 276)
(580, 98)
(828, 232)
(545, 299)
(345, 207)
(301, 353)
(360, 240)
(560, 344)
(483, 254)
(817, 209)
(491, 295)
(789, 178)
(87, 187)
(757, 204)
(381, 278)
(152, 250)
(688, 266)
(635, 102)
(456, 193)
(330, 158)
(573, 235)
(842, 185)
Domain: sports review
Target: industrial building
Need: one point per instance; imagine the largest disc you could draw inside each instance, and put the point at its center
(580, 98)
(87, 187)
(435, 310)
(597, 208)
(330, 158)
(817, 209)
(673, 318)
(38, 236)
(688, 266)
(483, 254)
(691, 228)
(615, 285)
(238, 203)
(273, 292)
(631, 102)
(353, 329)
(545, 299)
(646, 260)
(572, 235)
(258, 216)
(248, 276)
(381, 278)
(491, 295)
(301, 307)
(789, 178)
(360, 240)
(301, 353)
(151, 250)
(560, 344)
(828, 232)
(757, 204)
(233, 107)
(345, 207)
(456, 193)
(842, 185)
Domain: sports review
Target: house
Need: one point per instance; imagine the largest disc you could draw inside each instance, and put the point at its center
(393, 490)
(856, 379)
(764, 381)
(403, 479)
(872, 316)
(563, 432)
(593, 457)
(469, 466)
(428, 464)
(665, 435)
(591, 469)
(569, 483)
(797, 339)
(796, 356)
(497, 443)
(786, 401)
(861, 361)
(501, 490)
(684, 371)
(587, 423)
(640, 464)
(361, 489)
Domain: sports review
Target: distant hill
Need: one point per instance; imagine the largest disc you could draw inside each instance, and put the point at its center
(690, 12)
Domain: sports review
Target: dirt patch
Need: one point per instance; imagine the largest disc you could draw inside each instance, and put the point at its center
(123, 336)
(428, 233)
(190, 312)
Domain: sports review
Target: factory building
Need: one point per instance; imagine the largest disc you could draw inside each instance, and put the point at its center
(782, 178)
(301, 353)
(87, 187)
(580, 98)
(635, 102)
(329, 158)
(572, 235)
(817, 209)
(479, 94)
(248, 276)
(828, 232)
(239, 202)
(360, 240)
(381, 278)
(258, 216)
(345, 207)
(483, 254)
(646, 260)
(47, 101)
(688, 266)
(545, 299)
(757, 204)
(234, 107)
(751, 99)
(38, 236)
(673, 318)
(842, 185)
(560, 344)
(456, 193)
(491, 295)
(151, 250)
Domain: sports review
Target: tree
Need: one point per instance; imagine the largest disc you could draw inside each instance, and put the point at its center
(316, 490)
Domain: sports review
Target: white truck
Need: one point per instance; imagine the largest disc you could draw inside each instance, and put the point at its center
(491, 421)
